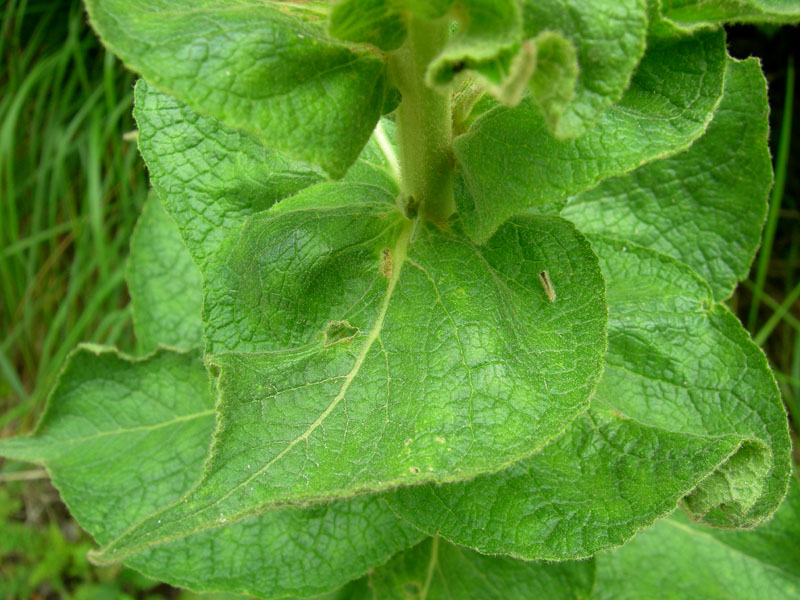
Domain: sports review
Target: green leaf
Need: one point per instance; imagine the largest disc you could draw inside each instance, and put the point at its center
(679, 559)
(509, 161)
(486, 44)
(164, 283)
(605, 479)
(256, 69)
(703, 12)
(377, 22)
(424, 391)
(705, 206)
(436, 570)
(211, 178)
(686, 406)
(610, 40)
(709, 378)
(122, 437)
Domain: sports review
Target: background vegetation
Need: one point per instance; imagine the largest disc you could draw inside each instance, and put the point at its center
(71, 187)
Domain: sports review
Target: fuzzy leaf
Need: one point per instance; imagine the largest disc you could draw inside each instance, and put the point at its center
(610, 40)
(423, 392)
(209, 177)
(703, 12)
(509, 161)
(254, 67)
(708, 376)
(120, 438)
(686, 405)
(164, 283)
(556, 75)
(486, 44)
(436, 570)
(679, 559)
(705, 206)
(377, 22)
(429, 9)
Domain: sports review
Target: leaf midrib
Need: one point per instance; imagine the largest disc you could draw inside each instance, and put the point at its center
(399, 258)
(400, 252)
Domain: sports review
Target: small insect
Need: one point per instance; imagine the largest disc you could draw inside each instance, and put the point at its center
(549, 290)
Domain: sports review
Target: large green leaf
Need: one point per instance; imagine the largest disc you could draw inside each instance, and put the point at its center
(509, 161)
(436, 570)
(255, 68)
(164, 283)
(121, 438)
(704, 206)
(353, 358)
(605, 479)
(610, 40)
(679, 362)
(211, 178)
(704, 12)
(678, 559)
(686, 406)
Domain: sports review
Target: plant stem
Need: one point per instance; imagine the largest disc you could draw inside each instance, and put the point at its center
(424, 124)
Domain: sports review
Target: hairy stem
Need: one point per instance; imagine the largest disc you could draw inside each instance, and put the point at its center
(424, 125)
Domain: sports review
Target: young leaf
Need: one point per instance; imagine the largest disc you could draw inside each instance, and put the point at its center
(610, 40)
(437, 570)
(705, 206)
(122, 437)
(680, 559)
(487, 44)
(256, 69)
(686, 405)
(161, 278)
(509, 161)
(553, 82)
(423, 392)
(693, 13)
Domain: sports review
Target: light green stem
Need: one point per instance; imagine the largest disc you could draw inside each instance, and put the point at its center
(424, 123)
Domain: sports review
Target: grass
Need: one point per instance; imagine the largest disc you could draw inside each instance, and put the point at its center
(71, 190)
(769, 301)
